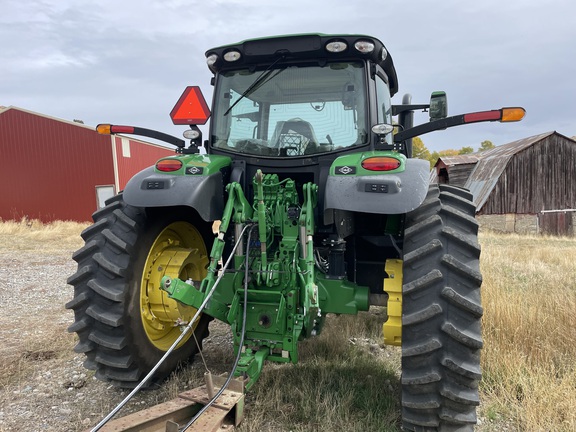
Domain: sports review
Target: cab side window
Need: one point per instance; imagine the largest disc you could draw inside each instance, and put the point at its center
(384, 104)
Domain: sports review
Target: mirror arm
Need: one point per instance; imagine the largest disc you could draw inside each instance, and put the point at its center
(170, 139)
(150, 133)
(397, 109)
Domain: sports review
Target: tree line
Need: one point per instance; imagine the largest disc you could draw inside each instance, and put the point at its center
(420, 151)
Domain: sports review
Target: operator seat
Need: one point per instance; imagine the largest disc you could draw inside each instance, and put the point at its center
(294, 135)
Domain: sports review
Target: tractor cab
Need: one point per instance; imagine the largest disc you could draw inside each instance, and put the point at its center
(317, 95)
(326, 111)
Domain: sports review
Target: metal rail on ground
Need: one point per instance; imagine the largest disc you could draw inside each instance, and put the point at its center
(224, 414)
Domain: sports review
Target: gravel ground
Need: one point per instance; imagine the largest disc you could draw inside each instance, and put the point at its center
(43, 384)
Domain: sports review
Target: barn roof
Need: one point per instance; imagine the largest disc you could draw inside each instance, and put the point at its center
(4, 109)
(459, 159)
(491, 165)
(71, 122)
(449, 162)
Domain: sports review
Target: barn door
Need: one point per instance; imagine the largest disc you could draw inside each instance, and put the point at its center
(555, 223)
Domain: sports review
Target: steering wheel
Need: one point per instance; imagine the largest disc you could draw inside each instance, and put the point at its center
(318, 106)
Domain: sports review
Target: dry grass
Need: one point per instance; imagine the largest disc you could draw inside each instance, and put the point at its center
(20, 357)
(26, 235)
(32, 325)
(346, 380)
(529, 356)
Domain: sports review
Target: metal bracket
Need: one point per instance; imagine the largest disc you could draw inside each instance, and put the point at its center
(226, 412)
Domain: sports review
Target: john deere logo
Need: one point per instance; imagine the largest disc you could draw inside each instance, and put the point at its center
(194, 170)
(345, 170)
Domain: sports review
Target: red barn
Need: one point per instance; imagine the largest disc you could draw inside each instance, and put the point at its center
(54, 169)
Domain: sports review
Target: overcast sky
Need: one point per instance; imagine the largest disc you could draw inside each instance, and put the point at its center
(127, 61)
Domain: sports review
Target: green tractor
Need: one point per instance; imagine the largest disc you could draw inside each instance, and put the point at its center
(322, 210)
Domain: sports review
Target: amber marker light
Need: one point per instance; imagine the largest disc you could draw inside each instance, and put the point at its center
(104, 129)
(381, 163)
(168, 165)
(512, 114)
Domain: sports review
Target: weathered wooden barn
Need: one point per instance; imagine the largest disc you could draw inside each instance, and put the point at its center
(53, 169)
(527, 185)
(455, 170)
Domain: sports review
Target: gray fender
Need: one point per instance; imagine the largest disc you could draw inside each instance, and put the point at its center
(203, 193)
(384, 193)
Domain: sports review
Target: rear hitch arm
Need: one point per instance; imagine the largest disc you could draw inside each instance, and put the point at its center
(237, 210)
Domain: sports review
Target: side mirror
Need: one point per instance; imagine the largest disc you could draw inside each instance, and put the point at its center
(349, 97)
(438, 105)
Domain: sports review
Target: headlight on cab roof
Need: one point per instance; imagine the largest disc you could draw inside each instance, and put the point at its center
(336, 46)
(364, 46)
(233, 55)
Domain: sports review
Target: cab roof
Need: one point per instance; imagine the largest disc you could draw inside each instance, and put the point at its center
(288, 49)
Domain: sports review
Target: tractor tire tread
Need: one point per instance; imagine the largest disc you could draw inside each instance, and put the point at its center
(441, 335)
(100, 298)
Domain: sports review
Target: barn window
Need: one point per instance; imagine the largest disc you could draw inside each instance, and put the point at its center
(104, 193)
(126, 147)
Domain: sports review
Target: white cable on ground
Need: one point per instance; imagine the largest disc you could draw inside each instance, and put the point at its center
(242, 334)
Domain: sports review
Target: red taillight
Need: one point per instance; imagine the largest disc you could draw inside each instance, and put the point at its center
(168, 165)
(122, 129)
(483, 116)
(381, 163)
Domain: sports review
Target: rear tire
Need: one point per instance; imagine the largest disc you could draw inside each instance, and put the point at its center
(124, 322)
(441, 319)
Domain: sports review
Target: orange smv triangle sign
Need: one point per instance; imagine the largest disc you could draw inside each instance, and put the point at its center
(191, 108)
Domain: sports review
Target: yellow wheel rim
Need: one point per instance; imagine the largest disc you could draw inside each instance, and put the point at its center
(179, 251)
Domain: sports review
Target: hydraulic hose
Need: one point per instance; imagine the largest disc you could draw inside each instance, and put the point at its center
(176, 342)
(243, 331)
